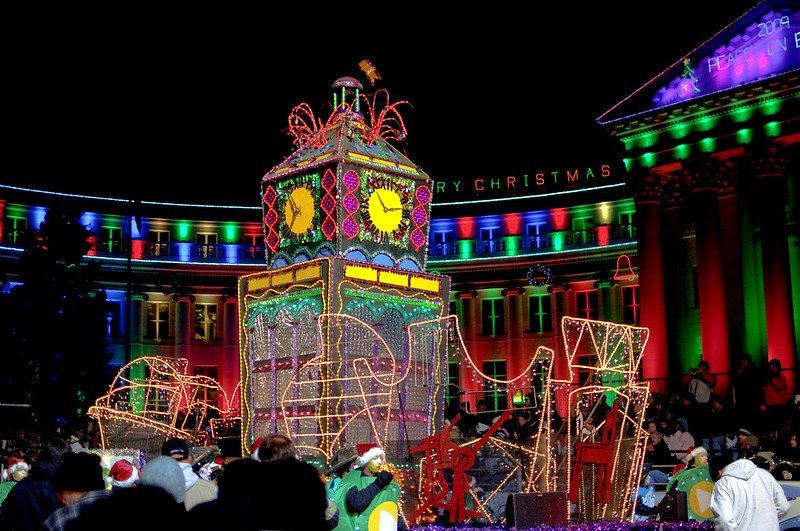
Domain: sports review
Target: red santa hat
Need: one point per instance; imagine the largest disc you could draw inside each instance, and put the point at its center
(254, 448)
(17, 469)
(123, 474)
(367, 453)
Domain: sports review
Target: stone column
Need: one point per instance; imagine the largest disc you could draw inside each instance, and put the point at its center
(230, 373)
(184, 325)
(560, 302)
(136, 317)
(469, 326)
(707, 177)
(771, 192)
(651, 280)
(2, 217)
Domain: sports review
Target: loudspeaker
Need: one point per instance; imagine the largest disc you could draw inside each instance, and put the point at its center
(673, 508)
(528, 509)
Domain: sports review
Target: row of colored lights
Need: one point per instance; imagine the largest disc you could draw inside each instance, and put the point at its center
(705, 124)
(705, 145)
(414, 417)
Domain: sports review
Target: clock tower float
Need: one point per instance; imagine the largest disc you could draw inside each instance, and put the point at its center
(342, 340)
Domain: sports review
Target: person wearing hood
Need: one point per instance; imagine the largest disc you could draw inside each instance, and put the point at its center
(198, 490)
(747, 497)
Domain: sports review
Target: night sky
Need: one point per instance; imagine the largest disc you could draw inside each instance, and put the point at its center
(153, 110)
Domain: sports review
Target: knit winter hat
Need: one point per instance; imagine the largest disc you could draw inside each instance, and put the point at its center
(175, 448)
(166, 473)
(367, 453)
(80, 473)
(122, 474)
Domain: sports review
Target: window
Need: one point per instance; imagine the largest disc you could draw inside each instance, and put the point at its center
(16, 230)
(582, 230)
(157, 320)
(630, 305)
(490, 240)
(492, 317)
(453, 382)
(537, 235)
(206, 244)
(159, 242)
(540, 318)
(587, 304)
(443, 243)
(205, 321)
(495, 395)
(627, 224)
(205, 394)
(253, 246)
(110, 240)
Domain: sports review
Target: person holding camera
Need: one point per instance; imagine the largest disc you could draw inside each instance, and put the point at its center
(702, 382)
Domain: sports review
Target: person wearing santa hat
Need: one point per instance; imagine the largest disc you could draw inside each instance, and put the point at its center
(367, 497)
(122, 474)
(17, 470)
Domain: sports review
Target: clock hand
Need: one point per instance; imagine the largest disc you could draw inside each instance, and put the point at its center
(385, 210)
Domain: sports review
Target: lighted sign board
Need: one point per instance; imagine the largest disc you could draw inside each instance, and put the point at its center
(767, 47)
(763, 43)
(541, 181)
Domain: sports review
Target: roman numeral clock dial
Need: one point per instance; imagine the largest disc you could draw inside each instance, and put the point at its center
(385, 211)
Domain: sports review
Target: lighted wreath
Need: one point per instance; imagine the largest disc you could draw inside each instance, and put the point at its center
(539, 275)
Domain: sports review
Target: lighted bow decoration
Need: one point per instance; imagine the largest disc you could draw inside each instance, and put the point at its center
(441, 454)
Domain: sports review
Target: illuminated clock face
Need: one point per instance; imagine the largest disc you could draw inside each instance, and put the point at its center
(385, 210)
(299, 210)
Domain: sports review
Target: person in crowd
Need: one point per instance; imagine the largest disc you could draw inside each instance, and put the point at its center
(367, 489)
(656, 451)
(775, 393)
(290, 482)
(747, 444)
(746, 390)
(17, 471)
(122, 474)
(239, 501)
(198, 490)
(747, 497)
(144, 507)
(701, 382)
(165, 473)
(790, 450)
(33, 499)
(342, 462)
(715, 426)
(679, 441)
(79, 483)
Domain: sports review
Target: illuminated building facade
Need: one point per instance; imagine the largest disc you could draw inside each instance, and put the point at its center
(711, 146)
(702, 249)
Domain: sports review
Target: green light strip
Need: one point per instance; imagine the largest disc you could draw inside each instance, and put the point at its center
(283, 299)
(363, 294)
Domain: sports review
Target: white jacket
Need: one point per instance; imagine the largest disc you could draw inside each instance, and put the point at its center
(747, 498)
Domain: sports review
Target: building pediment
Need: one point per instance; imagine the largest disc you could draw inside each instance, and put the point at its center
(761, 44)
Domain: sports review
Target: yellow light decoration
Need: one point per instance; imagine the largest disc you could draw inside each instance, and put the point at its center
(141, 414)
(609, 355)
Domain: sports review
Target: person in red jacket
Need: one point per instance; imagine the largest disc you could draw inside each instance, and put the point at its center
(775, 393)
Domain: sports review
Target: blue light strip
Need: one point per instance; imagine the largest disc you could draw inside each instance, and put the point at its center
(145, 261)
(532, 196)
(120, 200)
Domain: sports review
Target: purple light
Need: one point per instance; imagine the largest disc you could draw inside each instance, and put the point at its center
(351, 179)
